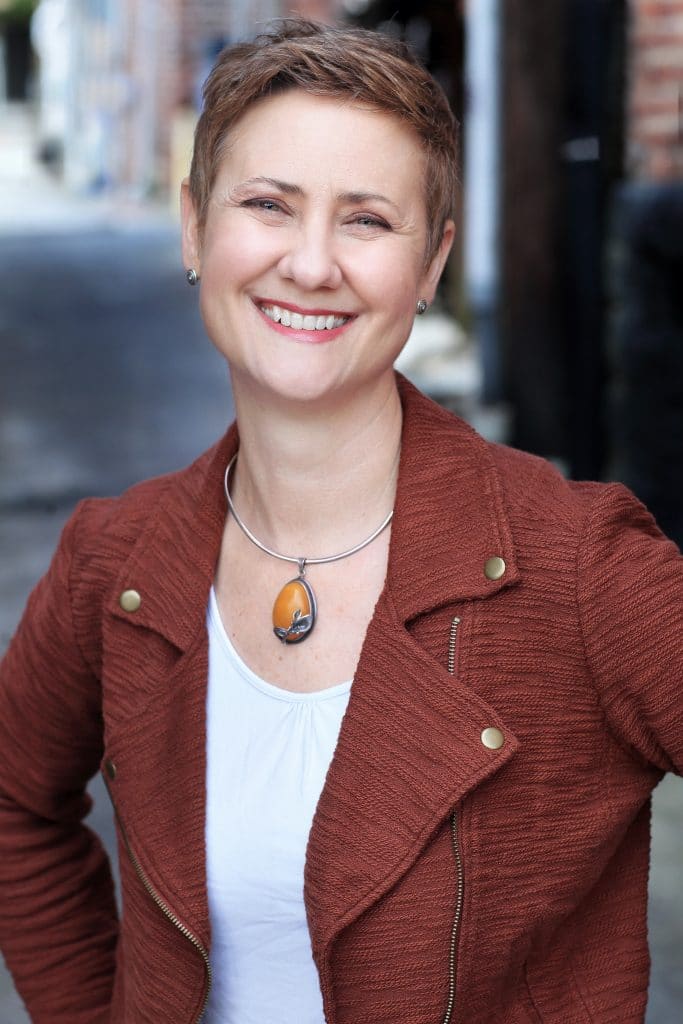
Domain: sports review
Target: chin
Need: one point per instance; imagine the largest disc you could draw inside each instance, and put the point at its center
(276, 384)
(305, 385)
(309, 390)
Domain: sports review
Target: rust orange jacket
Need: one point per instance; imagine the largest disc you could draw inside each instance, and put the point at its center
(454, 872)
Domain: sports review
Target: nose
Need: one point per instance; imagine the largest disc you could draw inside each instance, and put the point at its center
(310, 260)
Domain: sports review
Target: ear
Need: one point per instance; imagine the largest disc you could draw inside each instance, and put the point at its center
(433, 272)
(190, 229)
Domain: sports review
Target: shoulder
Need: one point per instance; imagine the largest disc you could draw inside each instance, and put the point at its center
(607, 540)
(157, 530)
(529, 492)
(118, 520)
(109, 527)
(103, 533)
(534, 489)
(520, 496)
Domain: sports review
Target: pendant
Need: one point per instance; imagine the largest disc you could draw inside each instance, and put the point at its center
(295, 610)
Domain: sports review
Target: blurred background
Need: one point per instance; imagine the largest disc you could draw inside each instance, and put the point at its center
(558, 327)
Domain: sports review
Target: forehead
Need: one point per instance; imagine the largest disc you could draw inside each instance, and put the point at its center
(324, 142)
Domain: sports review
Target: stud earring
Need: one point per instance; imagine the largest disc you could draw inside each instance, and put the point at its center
(421, 307)
(192, 276)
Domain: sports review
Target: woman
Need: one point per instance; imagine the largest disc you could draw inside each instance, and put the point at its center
(461, 834)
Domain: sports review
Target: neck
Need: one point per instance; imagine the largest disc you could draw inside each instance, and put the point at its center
(313, 480)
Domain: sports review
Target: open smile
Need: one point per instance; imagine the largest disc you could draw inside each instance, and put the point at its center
(303, 320)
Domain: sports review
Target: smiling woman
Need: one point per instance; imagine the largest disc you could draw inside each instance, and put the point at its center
(321, 222)
(405, 778)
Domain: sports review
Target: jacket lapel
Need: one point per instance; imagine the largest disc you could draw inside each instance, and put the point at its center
(410, 746)
(449, 517)
(409, 750)
(156, 664)
(173, 562)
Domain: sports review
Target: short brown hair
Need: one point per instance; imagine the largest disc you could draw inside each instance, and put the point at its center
(367, 67)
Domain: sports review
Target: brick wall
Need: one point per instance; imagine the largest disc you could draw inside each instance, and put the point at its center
(655, 100)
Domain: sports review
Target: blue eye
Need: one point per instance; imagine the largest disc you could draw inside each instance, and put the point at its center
(268, 205)
(367, 220)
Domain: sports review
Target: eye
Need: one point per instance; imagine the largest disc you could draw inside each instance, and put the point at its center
(369, 220)
(267, 205)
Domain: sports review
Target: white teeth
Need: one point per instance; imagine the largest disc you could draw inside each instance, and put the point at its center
(299, 322)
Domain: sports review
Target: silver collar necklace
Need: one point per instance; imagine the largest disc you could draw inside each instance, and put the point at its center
(295, 609)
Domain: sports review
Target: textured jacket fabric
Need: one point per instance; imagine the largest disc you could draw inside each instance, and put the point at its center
(445, 879)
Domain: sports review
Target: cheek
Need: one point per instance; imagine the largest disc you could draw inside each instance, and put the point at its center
(398, 291)
(389, 282)
(234, 257)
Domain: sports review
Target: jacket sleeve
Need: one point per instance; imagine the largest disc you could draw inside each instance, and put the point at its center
(58, 921)
(630, 593)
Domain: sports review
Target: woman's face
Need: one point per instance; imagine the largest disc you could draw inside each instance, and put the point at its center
(312, 256)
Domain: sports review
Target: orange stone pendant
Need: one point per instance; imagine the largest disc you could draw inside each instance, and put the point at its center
(294, 611)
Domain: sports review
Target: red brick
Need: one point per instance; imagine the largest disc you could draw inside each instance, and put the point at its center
(656, 8)
(668, 108)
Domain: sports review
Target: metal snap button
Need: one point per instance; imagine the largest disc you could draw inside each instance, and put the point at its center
(130, 600)
(494, 568)
(492, 739)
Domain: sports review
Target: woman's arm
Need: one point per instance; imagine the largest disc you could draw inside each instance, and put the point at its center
(58, 921)
(630, 592)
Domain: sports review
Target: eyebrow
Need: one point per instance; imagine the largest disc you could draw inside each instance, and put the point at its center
(365, 197)
(281, 186)
(295, 190)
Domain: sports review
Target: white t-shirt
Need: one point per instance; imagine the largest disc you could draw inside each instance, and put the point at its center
(268, 751)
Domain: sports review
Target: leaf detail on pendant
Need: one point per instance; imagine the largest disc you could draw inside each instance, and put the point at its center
(294, 611)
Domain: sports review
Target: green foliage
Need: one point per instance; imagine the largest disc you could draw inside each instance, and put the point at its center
(13, 11)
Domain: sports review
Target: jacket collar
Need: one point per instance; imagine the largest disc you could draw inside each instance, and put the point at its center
(449, 519)
(449, 515)
(186, 528)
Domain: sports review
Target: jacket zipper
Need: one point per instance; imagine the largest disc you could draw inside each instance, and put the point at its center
(453, 644)
(455, 841)
(164, 908)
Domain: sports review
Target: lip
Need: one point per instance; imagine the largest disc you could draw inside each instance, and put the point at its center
(307, 337)
(305, 311)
